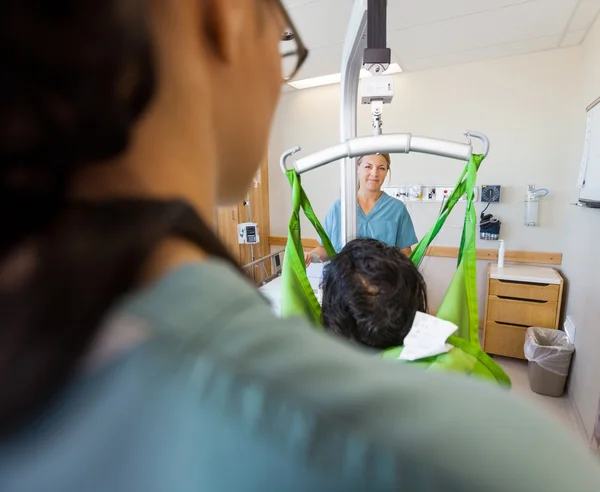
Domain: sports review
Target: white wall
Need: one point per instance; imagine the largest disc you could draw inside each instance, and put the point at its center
(581, 264)
(526, 105)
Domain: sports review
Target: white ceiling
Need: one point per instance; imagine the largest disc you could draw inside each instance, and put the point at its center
(425, 34)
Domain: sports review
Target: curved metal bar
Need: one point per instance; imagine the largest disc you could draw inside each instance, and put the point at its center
(355, 147)
(399, 143)
(322, 157)
(444, 148)
(483, 138)
(393, 143)
(284, 157)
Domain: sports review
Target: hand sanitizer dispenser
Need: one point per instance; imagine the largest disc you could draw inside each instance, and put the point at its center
(532, 207)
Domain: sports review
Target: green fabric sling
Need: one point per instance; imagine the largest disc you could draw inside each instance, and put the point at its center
(297, 295)
(459, 305)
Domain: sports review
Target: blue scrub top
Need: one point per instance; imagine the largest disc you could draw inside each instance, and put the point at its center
(389, 222)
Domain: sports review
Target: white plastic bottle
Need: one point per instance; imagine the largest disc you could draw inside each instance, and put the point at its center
(501, 254)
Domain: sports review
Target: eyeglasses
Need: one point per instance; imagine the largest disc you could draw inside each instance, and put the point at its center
(292, 49)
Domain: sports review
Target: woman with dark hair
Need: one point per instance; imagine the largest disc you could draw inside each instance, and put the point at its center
(133, 354)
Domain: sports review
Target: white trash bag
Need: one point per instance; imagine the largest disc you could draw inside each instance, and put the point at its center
(550, 349)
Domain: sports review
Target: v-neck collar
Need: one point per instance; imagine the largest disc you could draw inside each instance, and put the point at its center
(376, 207)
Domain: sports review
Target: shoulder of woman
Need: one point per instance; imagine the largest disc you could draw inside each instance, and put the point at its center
(335, 207)
(397, 204)
(259, 372)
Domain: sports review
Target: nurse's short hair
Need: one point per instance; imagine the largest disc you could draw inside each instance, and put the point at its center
(386, 156)
(371, 293)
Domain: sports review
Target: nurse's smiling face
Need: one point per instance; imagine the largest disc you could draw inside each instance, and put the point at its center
(372, 171)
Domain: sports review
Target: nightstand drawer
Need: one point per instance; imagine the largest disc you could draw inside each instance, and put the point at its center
(525, 313)
(539, 292)
(506, 340)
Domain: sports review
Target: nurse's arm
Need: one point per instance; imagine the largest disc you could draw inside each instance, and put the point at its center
(407, 251)
(319, 251)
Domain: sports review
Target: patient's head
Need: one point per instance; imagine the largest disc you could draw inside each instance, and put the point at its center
(371, 293)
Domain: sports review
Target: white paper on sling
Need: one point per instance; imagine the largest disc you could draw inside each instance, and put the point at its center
(427, 337)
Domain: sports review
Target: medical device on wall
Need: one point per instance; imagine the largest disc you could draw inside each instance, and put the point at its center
(424, 193)
(532, 204)
(489, 227)
(490, 193)
(403, 193)
(415, 192)
(248, 233)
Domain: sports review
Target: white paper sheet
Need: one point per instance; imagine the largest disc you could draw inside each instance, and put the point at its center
(427, 337)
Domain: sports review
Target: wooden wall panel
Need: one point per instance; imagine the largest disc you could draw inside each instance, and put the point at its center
(229, 218)
(227, 221)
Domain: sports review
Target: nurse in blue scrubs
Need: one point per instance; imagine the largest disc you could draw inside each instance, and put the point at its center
(380, 216)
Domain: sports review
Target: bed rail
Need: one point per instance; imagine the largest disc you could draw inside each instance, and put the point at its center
(265, 274)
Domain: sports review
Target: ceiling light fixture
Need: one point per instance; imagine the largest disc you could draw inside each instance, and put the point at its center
(335, 78)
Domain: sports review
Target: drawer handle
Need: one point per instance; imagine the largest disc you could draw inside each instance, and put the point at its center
(507, 298)
(515, 282)
(511, 324)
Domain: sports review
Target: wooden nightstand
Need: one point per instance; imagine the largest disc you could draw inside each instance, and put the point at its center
(518, 297)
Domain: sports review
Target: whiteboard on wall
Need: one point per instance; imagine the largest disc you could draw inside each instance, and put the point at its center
(589, 173)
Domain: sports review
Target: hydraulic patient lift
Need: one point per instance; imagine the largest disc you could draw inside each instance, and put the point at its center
(366, 43)
(460, 302)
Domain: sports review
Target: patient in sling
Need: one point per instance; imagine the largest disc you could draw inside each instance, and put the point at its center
(371, 294)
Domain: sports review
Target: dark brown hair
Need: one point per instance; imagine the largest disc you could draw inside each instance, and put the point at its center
(371, 293)
(76, 74)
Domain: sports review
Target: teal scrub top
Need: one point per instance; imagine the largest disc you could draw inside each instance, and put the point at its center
(389, 222)
(220, 395)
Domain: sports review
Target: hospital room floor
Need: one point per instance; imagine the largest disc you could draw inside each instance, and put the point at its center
(562, 408)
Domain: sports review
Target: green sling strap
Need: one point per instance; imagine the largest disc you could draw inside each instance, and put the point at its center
(298, 297)
(460, 302)
(458, 306)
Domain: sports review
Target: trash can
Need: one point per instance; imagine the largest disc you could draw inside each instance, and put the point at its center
(549, 354)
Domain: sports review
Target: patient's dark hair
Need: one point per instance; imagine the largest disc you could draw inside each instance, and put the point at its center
(371, 293)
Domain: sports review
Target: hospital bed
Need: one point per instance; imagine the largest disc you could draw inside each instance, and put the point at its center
(270, 285)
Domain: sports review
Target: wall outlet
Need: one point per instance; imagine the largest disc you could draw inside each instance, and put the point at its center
(428, 194)
(442, 193)
(570, 329)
